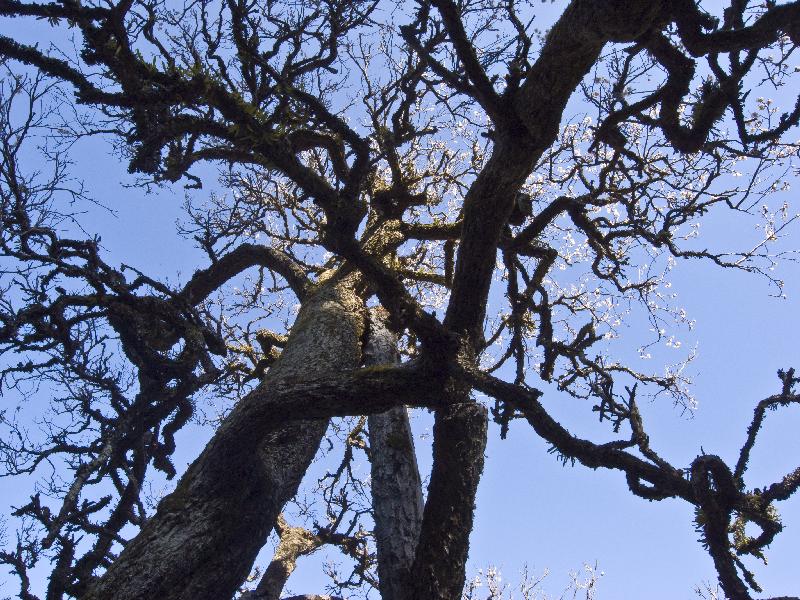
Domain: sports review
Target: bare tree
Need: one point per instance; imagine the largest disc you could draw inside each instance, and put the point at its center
(412, 156)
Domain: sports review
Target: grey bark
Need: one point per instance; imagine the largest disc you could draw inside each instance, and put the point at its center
(294, 543)
(396, 486)
(204, 537)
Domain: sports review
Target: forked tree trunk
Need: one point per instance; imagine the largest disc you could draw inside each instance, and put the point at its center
(204, 537)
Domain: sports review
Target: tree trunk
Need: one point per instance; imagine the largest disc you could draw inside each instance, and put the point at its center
(459, 442)
(204, 537)
(396, 486)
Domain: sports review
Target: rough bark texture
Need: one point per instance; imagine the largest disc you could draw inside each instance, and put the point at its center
(213, 525)
(459, 443)
(396, 486)
(295, 542)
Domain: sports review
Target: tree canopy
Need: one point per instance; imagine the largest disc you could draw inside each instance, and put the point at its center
(420, 204)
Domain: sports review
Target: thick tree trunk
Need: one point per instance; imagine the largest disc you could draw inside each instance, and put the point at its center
(396, 486)
(458, 453)
(204, 537)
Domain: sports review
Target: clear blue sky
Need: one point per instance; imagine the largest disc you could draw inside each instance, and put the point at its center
(530, 508)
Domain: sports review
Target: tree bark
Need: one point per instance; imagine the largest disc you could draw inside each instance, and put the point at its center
(294, 543)
(204, 537)
(458, 454)
(396, 485)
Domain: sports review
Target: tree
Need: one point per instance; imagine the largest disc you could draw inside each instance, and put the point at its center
(381, 161)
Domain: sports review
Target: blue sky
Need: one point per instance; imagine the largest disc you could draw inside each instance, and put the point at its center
(531, 509)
